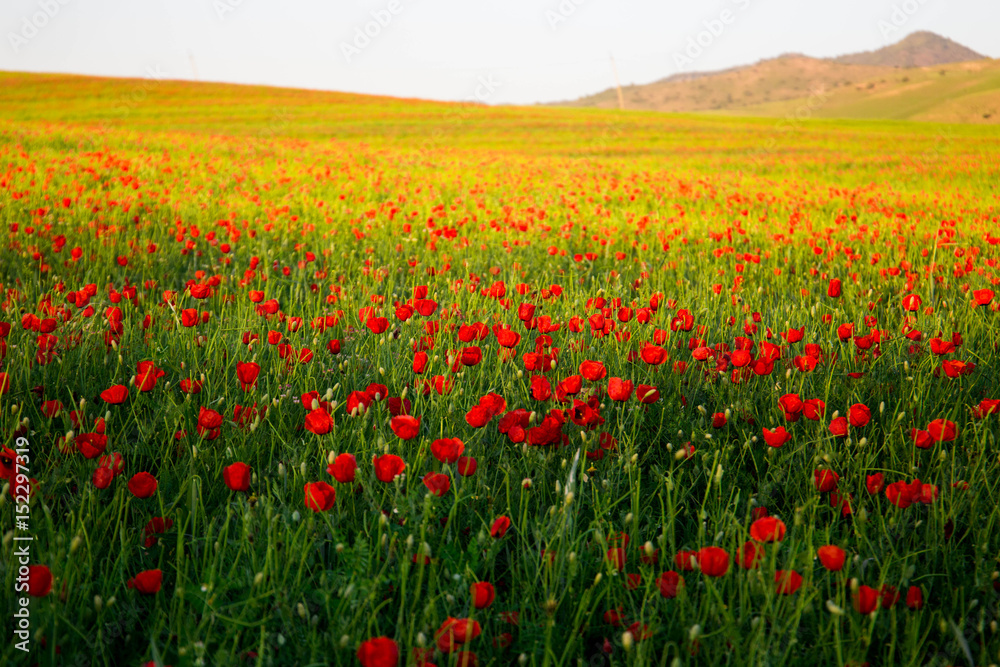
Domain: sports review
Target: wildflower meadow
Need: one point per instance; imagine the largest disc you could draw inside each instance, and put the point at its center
(294, 378)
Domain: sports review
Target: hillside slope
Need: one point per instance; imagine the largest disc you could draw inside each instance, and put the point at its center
(959, 93)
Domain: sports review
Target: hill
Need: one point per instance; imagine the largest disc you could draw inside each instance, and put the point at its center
(920, 49)
(922, 77)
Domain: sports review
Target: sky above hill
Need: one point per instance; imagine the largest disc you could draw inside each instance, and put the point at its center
(496, 51)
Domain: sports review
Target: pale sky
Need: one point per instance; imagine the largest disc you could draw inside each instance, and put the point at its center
(504, 51)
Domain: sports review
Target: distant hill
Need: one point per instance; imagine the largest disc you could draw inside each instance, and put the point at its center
(922, 77)
(921, 49)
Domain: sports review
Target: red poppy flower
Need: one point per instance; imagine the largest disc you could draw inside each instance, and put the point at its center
(247, 374)
(794, 335)
(865, 600)
(713, 561)
(653, 355)
(378, 652)
(813, 409)
(859, 415)
(825, 480)
(838, 427)
(91, 445)
(915, 598)
(483, 594)
(593, 370)
(749, 555)
(833, 290)
(874, 483)
(343, 468)
(889, 596)
(792, 406)
(156, 526)
(982, 297)
(102, 477)
(405, 426)
(701, 353)
(614, 617)
(377, 391)
(4, 383)
(776, 437)
(787, 581)
(51, 408)
(832, 557)
(911, 302)
(209, 422)
(387, 467)
(987, 406)
(495, 403)
(466, 466)
(319, 496)
(668, 583)
(900, 494)
(454, 632)
(954, 368)
(478, 416)
(358, 402)
(500, 527)
(942, 430)
(768, 529)
(541, 390)
(719, 420)
(616, 556)
(437, 483)
(147, 582)
(189, 386)
(377, 325)
(508, 338)
(115, 395)
(142, 485)
(39, 581)
(921, 439)
(447, 450)
(619, 390)
(420, 360)
(686, 560)
(237, 476)
(146, 375)
(319, 421)
(645, 393)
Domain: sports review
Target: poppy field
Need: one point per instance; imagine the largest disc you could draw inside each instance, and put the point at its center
(297, 378)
